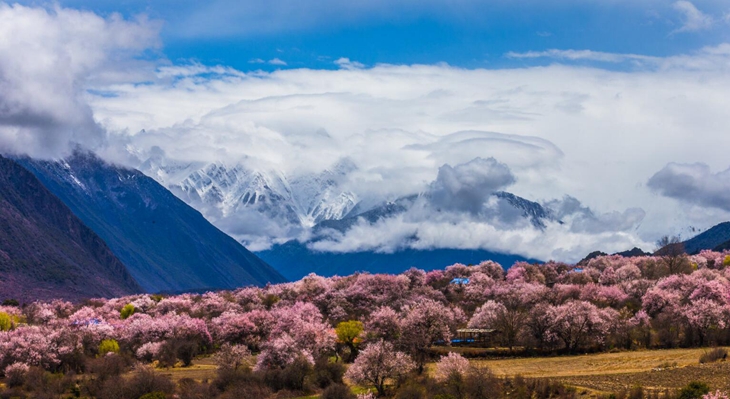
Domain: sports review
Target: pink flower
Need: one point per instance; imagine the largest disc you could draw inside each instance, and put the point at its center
(451, 365)
(377, 363)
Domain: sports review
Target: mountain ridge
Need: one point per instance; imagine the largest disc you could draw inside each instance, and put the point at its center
(165, 244)
(46, 252)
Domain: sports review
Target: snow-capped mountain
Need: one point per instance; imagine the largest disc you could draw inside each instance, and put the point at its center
(226, 192)
(319, 196)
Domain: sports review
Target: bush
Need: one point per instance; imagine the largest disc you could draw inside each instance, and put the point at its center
(233, 356)
(172, 350)
(107, 366)
(46, 385)
(186, 351)
(480, 383)
(337, 391)
(6, 322)
(15, 374)
(411, 391)
(636, 393)
(290, 377)
(240, 384)
(714, 355)
(11, 302)
(326, 373)
(127, 311)
(154, 395)
(147, 381)
(191, 389)
(102, 370)
(694, 390)
(108, 346)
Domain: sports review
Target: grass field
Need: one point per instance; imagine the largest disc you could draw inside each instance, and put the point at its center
(609, 372)
(595, 373)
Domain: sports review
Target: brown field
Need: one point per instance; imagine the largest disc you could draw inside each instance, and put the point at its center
(596, 373)
(609, 372)
(203, 368)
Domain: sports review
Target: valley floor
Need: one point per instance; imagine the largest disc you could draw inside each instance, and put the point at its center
(592, 374)
(610, 372)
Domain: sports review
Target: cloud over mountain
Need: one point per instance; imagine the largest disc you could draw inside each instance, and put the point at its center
(694, 184)
(466, 187)
(48, 56)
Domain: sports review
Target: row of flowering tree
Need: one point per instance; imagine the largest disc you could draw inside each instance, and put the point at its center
(611, 301)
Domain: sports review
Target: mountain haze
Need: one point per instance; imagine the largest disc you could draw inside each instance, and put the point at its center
(295, 260)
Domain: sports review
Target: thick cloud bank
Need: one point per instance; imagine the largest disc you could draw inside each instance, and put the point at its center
(585, 132)
(467, 187)
(47, 59)
(694, 184)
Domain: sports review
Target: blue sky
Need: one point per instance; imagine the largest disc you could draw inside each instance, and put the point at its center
(464, 33)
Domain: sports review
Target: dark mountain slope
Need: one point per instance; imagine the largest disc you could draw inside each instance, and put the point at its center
(294, 260)
(165, 244)
(709, 239)
(46, 251)
(722, 247)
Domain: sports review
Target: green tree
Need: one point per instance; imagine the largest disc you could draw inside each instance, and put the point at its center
(11, 302)
(694, 390)
(108, 345)
(6, 322)
(348, 333)
(127, 311)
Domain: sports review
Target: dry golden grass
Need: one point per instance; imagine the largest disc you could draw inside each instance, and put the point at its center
(598, 373)
(202, 368)
(611, 372)
(603, 363)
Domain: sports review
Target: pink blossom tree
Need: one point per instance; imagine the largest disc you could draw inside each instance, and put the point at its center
(494, 315)
(378, 363)
(424, 324)
(280, 352)
(450, 366)
(704, 317)
(383, 324)
(579, 324)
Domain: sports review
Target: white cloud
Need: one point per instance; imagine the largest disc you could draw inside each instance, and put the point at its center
(694, 184)
(449, 230)
(694, 19)
(467, 186)
(47, 57)
(345, 63)
(587, 132)
(574, 55)
(277, 61)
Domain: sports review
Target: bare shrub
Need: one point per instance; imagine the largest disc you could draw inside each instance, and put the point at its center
(714, 355)
(337, 391)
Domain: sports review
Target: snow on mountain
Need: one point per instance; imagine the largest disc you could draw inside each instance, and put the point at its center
(319, 197)
(222, 191)
(257, 205)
